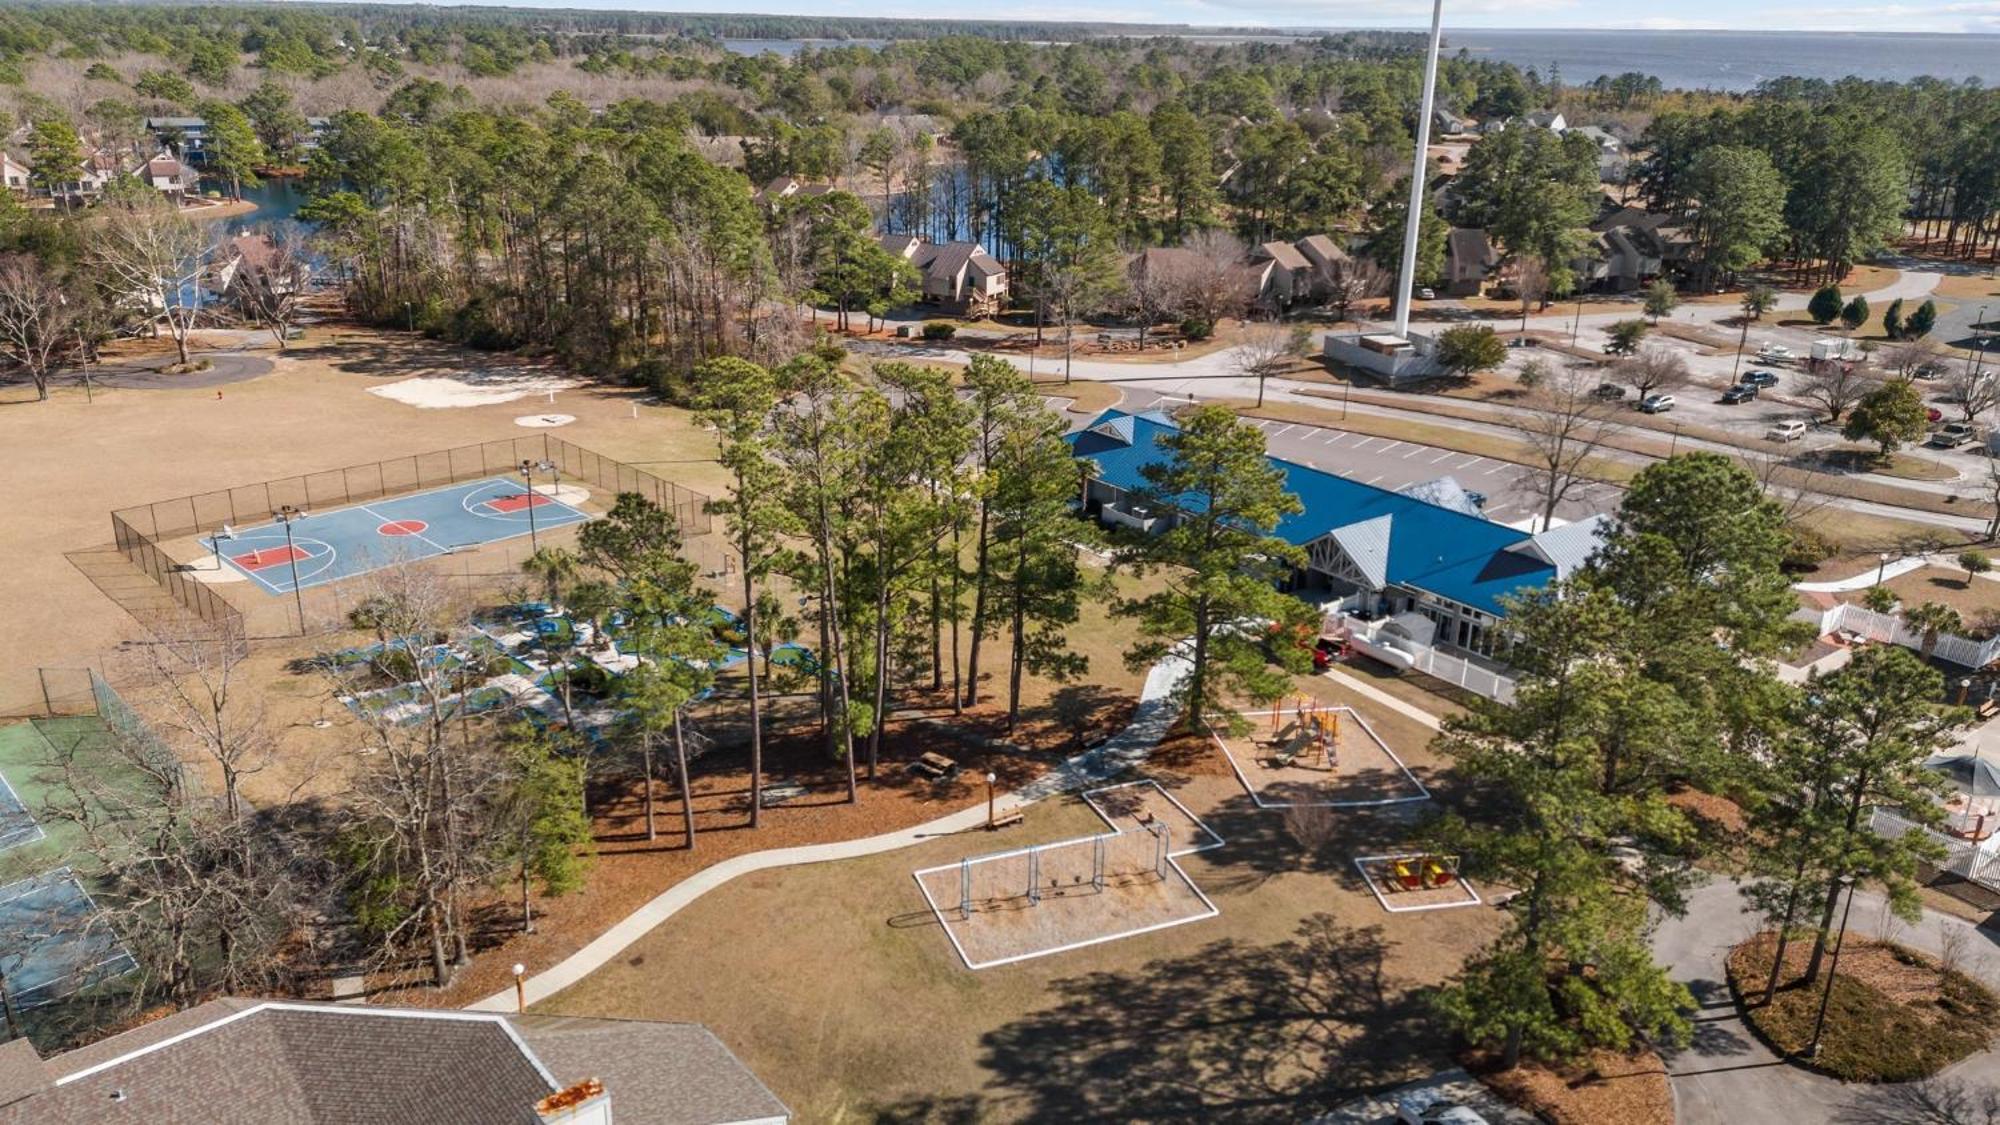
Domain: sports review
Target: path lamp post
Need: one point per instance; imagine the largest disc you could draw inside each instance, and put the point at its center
(1976, 354)
(287, 515)
(1832, 970)
(520, 988)
(991, 777)
(1881, 566)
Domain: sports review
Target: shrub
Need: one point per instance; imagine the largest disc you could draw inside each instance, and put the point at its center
(939, 330)
(1197, 328)
(1825, 304)
(1806, 548)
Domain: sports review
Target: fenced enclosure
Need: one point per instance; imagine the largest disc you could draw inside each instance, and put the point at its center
(140, 530)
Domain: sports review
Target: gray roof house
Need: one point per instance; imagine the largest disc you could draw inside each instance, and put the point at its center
(962, 276)
(1451, 124)
(1468, 258)
(1291, 275)
(1632, 247)
(255, 1062)
(1549, 119)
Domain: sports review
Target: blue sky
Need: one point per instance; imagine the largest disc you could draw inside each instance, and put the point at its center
(1752, 15)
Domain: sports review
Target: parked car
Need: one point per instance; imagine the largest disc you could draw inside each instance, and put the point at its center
(1929, 371)
(1609, 390)
(1656, 404)
(1786, 431)
(1741, 392)
(1427, 295)
(1761, 379)
(1432, 1109)
(1774, 353)
(1951, 435)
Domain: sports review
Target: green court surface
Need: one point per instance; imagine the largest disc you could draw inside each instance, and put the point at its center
(35, 756)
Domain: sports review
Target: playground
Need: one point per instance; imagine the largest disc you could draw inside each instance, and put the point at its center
(1043, 899)
(1414, 881)
(1308, 752)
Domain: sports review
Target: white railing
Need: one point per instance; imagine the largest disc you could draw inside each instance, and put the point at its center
(1977, 862)
(1467, 674)
(1886, 628)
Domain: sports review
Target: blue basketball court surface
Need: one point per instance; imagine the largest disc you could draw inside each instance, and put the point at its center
(50, 941)
(329, 546)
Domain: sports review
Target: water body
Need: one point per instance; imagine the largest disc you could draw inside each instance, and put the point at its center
(1714, 60)
(278, 199)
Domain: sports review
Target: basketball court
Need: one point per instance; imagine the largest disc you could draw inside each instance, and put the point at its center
(328, 546)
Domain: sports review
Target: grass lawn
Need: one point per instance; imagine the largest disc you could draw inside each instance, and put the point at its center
(834, 982)
(1977, 600)
(1896, 1015)
(1982, 286)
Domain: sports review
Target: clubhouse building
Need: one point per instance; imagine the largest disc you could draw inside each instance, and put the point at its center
(1425, 549)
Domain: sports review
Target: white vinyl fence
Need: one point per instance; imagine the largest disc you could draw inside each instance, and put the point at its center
(1404, 650)
(1887, 628)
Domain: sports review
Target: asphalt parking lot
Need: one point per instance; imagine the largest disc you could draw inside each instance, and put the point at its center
(1388, 463)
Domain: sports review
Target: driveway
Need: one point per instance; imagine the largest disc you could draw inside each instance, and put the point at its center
(1726, 1074)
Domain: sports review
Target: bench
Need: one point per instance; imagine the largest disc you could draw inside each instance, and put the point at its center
(935, 766)
(1987, 709)
(780, 792)
(1008, 821)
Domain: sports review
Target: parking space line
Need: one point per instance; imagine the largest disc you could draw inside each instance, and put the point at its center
(1363, 443)
(1373, 479)
(1388, 447)
(1497, 466)
(1471, 459)
(1335, 439)
(1414, 450)
(1288, 428)
(1442, 456)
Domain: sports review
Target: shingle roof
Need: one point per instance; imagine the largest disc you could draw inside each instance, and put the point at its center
(1285, 255)
(1448, 553)
(237, 1061)
(1321, 248)
(1469, 253)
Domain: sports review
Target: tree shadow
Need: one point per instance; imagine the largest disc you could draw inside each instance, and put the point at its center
(1232, 1032)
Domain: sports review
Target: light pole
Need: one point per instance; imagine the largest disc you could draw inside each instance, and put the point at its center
(1881, 566)
(990, 779)
(1819, 1021)
(520, 988)
(1413, 217)
(1979, 342)
(287, 515)
(528, 471)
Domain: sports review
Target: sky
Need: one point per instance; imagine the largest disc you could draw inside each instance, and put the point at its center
(1749, 15)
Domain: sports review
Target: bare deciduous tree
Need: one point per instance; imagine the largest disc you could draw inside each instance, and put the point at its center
(37, 319)
(154, 259)
(1974, 390)
(1266, 350)
(1151, 296)
(1347, 281)
(1834, 387)
(192, 675)
(1653, 370)
(1908, 355)
(1212, 285)
(270, 280)
(1565, 423)
(1531, 285)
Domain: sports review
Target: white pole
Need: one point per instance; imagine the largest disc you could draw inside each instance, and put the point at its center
(1406, 279)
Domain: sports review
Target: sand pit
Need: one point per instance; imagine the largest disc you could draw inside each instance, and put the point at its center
(544, 421)
(1051, 898)
(1327, 756)
(473, 388)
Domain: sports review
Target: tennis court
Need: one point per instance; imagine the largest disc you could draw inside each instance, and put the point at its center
(328, 546)
(51, 943)
(17, 824)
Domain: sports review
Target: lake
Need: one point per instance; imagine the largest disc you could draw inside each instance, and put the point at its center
(1715, 60)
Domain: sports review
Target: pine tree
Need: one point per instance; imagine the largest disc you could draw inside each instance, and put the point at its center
(1825, 305)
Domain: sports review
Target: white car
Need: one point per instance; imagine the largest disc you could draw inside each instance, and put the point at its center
(1432, 1109)
(1786, 431)
(1771, 353)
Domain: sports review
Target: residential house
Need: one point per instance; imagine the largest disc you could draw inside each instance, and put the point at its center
(785, 187)
(1426, 550)
(185, 135)
(1469, 259)
(166, 174)
(904, 246)
(961, 276)
(15, 174)
(1630, 247)
(252, 1062)
(1451, 124)
(1549, 119)
(1492, 126)
(1291, 276)
(1252, 279)
(1607, 144)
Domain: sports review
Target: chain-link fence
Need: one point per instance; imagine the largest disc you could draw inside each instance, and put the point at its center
(139, 531)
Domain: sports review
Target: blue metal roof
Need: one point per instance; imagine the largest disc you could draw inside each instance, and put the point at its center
(1465, 558)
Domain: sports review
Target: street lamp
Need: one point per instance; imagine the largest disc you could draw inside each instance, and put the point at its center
(1819, 1021)
(1881, 566)
(520, 988)
(528, 471)
(991, 777)
(1413, 217)
(286, 515)
(1978, 341)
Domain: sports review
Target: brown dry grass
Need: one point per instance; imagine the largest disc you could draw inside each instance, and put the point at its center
(1605, 1089)
(1977, 600)
(1970, 287)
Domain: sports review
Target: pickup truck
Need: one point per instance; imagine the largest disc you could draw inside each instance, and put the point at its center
(1951, 435)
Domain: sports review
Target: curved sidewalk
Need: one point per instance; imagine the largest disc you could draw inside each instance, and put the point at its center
(1123, 751)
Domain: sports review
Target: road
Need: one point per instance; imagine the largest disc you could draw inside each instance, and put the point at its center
(1727, 1075)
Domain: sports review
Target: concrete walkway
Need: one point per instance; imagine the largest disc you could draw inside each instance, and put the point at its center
(1726, 1074)
(1123, 751)
(1363, 688)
